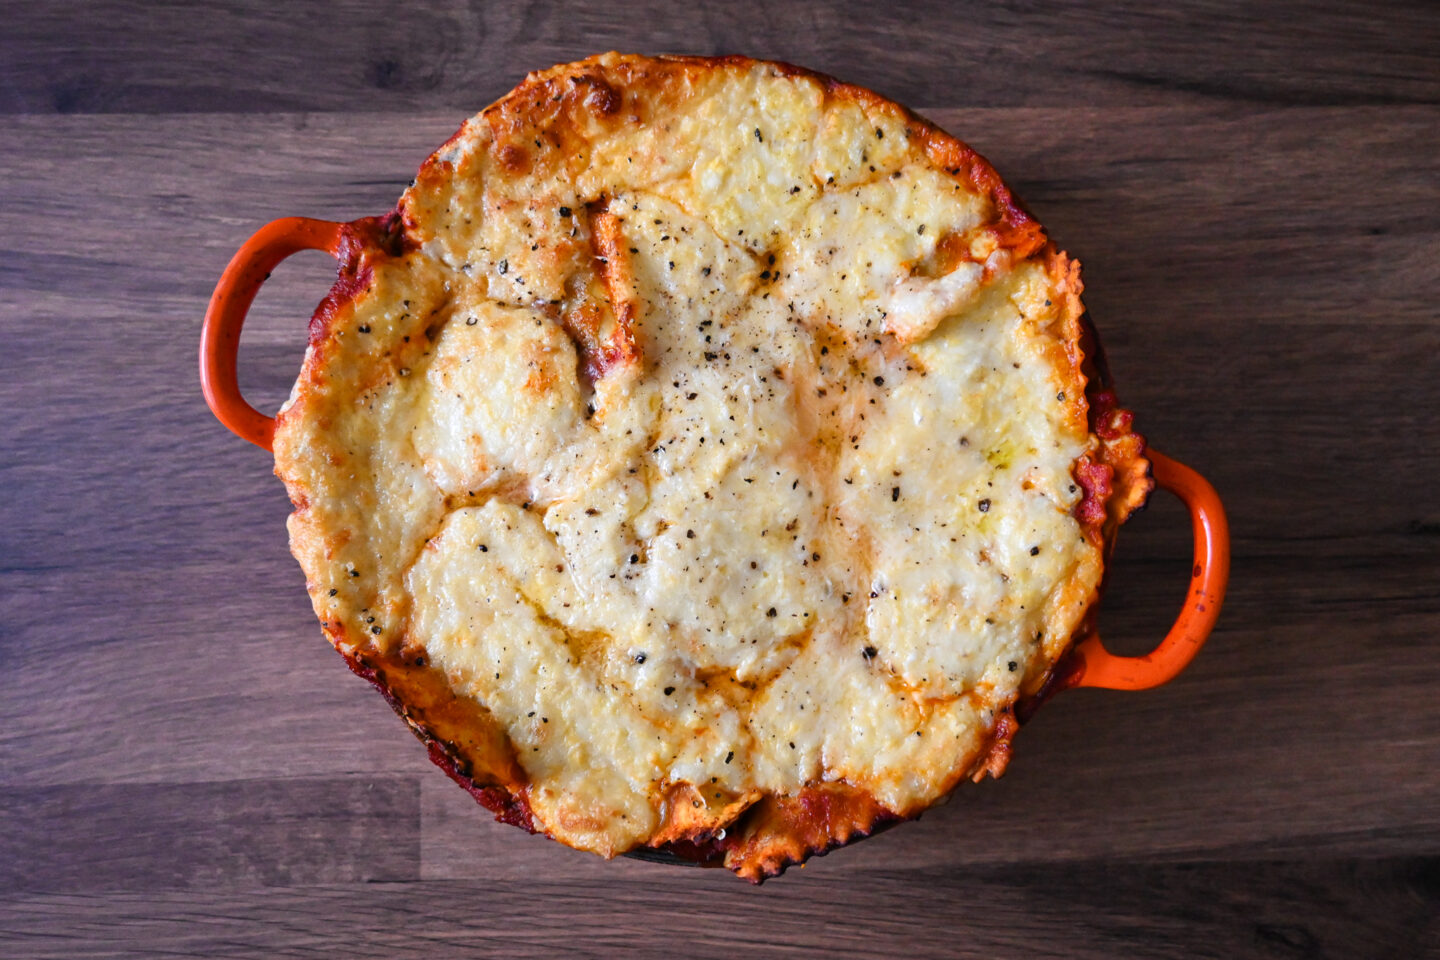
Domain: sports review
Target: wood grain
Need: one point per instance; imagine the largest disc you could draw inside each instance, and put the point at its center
(1100, 910)
(128, 56)
(181, 835)
(185, 765)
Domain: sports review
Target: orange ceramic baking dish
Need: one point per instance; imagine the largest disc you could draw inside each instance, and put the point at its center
(1084, 663)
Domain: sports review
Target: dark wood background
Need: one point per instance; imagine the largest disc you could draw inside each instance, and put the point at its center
(187, 768)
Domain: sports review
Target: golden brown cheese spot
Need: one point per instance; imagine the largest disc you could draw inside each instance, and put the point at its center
(500, 399)
(891, 283)
(956, 588)
(369, 503)
(751, 146)
(859, 144)
(713, 439)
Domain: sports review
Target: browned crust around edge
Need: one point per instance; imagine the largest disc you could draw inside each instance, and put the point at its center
(448, 726)
(776, 831)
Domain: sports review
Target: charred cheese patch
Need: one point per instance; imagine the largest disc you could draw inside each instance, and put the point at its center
(706, 434)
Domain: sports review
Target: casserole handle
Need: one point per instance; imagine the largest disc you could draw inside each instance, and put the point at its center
(220, 333)
(1097, 667)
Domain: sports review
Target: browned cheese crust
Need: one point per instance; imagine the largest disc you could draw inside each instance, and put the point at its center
(530, 233)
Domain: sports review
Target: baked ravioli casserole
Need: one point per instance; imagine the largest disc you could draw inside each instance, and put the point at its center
(704, 457)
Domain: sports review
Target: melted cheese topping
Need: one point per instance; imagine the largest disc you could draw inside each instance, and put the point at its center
(709, 442)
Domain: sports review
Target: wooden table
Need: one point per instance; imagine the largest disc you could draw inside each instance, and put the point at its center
(187, 768)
